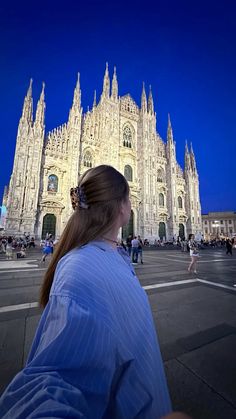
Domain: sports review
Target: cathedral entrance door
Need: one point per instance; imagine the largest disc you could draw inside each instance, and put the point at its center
(162, 230)
(181, 231)
(49, 225)
(128, 228)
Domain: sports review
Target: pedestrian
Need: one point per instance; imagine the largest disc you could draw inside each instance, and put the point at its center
(185, 245)
(123, 245)
(194, 254)
(140, 249)
(32, 242)
(22, 253)
(128, 244)
(228, 247)
(95, 353)
(9, 250)
(3, 245)
(135, 245)
(47, 248)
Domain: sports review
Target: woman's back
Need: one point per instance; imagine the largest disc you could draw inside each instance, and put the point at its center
(95, 353)
(96, 342)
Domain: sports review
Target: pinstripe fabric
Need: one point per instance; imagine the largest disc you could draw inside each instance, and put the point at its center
(95, 353)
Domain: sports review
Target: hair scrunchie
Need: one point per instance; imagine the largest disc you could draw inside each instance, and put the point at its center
(78, 198)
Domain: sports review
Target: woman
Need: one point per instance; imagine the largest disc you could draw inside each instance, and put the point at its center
(9, 250)
(47, 248)
(95, 353)
(194, 254)
(140, 249)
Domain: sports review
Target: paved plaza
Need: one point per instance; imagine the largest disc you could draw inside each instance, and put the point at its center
(195, 317)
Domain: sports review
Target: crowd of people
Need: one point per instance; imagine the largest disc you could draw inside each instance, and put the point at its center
(19, 245)
(9, 244)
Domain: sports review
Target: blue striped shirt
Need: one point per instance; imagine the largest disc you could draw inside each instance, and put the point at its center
(95, 353)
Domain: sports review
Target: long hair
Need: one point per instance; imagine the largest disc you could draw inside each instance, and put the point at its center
(104, 188)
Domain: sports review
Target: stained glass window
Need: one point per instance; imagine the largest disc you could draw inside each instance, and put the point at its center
(88, 159)
(127, 137)
(52, 183)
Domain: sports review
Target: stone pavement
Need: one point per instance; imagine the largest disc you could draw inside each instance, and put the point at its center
(195, 317)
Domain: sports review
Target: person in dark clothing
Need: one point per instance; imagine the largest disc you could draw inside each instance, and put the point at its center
(140, 249)
(31, 242)
(123, 245)
(128, 244)
(229, 247)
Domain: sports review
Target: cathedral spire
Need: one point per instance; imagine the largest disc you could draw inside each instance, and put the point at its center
(169, 131)
(27, 112)
(106, 83)
(77, 94)
(114, 88)
(95, 99)
(150, 102)
(144, 99)
(186, 147)
(76, 110)
(192, 159)
(191, 148)
(40, 111)
(186, 157)
(29, 92)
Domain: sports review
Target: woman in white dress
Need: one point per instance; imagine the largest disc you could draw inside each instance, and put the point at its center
(194, 254)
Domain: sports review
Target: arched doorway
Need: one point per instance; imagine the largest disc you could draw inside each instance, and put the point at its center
(181, 231)
(49, 225)
(162, 230)
(128, 228)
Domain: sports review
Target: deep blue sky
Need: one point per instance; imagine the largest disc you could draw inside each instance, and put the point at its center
(185, 49)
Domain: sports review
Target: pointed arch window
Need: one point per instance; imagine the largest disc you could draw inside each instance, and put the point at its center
(128, 172)
(160, 175)
(52, 183)
(88, 159)
(180, 202)
(127, 137)
(161, 200)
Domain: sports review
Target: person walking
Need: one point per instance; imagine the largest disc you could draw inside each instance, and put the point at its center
(194, 254)
(47, 248)
(9, 250)
(135, 245)
(182, 244)
(229, 246)
(140, 249)
(95, 353)
(3, 245)
(129, 244)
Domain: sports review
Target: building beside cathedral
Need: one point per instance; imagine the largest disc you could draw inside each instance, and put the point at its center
(165, 199)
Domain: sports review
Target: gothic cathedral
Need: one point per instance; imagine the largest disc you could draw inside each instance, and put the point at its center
(165, 199)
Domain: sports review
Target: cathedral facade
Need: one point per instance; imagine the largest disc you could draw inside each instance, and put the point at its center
(165, 199)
